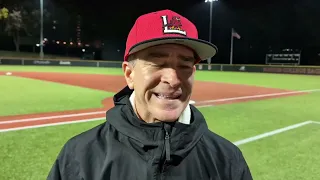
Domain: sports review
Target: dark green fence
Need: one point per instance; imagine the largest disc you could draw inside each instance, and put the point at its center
(308, 70)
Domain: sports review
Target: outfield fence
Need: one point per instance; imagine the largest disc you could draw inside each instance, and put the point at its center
(282, 69)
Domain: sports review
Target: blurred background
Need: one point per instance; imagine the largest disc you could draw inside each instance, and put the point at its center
(262, 32)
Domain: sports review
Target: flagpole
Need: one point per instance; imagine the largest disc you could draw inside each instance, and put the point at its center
(231, 48)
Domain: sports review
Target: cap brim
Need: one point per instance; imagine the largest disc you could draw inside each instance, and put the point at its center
(204, 49)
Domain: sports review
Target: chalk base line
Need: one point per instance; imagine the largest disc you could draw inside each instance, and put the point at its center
(191, 102)
(274, 132)
(253, 97)
(50, 125)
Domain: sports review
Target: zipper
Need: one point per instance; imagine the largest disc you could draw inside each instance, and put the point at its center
(167, 145)
(167, 130)
(167, 152)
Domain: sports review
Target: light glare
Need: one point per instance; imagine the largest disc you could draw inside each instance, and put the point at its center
(210, 1)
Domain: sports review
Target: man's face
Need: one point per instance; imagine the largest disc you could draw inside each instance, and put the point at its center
(162, 78)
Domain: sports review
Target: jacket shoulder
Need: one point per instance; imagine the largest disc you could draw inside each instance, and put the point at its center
(87, 137)
(76, 150)
(220, 144)
(84, 140)
(227, 154)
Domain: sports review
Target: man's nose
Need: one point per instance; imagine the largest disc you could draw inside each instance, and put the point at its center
(170, 76)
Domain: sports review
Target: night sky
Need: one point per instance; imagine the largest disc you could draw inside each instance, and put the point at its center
(273, 21)
(263, 25)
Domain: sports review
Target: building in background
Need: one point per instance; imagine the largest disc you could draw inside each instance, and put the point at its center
(78, 30)
(64, 27)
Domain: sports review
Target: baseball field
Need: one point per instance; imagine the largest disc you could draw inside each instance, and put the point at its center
(273, 118)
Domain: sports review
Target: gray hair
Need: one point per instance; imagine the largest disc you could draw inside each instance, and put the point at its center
(132, 59)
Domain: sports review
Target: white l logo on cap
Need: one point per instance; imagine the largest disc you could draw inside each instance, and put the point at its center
(175, 28)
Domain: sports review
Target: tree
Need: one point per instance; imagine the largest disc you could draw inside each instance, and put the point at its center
(4, 13)
(21, 21)
(14, 26)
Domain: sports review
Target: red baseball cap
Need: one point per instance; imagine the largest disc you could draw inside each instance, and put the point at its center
(166, 26)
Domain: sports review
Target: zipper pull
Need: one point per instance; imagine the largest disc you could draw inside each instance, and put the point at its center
(167, 144)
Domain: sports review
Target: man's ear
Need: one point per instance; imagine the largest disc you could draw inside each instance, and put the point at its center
(128, 74)
(194, 68)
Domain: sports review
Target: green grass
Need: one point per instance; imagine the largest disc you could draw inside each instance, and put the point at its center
(284, 81)
(29, 154)
(290, 155)
(242, 120)
(82, 70)
(293, 154)
(26, 96)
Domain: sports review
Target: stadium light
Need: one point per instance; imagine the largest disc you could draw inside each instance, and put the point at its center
(210, 0)
(210, 26)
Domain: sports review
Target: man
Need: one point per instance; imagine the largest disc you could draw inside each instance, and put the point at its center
(153, 132)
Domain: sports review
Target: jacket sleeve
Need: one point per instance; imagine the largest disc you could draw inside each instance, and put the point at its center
(242, 171)
(65, 166)
(55, 173)
(56, 170)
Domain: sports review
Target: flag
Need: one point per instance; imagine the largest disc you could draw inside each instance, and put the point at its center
(235, 34)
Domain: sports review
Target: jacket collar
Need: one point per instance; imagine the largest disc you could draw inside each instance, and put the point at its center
(183, 137)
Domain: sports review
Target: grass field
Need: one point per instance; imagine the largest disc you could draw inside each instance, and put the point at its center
(290, 155)
(36, 96)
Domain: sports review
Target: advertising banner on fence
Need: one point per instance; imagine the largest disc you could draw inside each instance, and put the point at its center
(208, 67)
(273, 69)
(202, 67)
(68, 63)
(84, 63)
(110, 64)
(60, 63)
(292, 70)
(41, 62)
(11, 61)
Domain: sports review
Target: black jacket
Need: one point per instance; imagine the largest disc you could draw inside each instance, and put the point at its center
(126, 148)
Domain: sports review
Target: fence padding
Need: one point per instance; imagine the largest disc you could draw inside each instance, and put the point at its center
(307, 70)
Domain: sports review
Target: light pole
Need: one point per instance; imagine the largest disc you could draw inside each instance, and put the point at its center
(41, 29)
(210, 26)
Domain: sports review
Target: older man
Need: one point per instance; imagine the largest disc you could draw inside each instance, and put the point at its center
(152, 132)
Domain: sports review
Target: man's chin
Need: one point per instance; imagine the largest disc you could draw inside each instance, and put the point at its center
(167, 111)
(168, 115)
